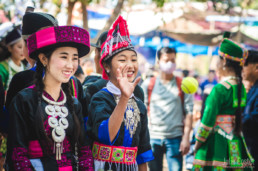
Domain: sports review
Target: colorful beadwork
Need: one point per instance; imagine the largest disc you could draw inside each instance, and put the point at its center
(114, 154)
(74, 88)
(129, 155)
(117, 155)
(234, 154)
(104, 153)
(95, 151)
(203, 132)
(225, 122)
(237, 59)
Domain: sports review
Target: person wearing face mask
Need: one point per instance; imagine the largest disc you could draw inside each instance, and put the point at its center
(170, 113)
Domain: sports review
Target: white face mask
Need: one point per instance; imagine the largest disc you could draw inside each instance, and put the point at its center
(168, 67)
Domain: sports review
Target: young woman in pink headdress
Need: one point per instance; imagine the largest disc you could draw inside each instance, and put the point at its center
(47, 129)
(117, 121)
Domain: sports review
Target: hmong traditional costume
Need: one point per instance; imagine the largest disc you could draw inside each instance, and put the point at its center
(131, 146)
(7, 67)
(27, 152)
(221, 148)
(59, 150)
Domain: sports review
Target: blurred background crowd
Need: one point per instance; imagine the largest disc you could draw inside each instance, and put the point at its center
(193, 27)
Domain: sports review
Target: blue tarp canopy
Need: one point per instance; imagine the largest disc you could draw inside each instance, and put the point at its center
(250, 21)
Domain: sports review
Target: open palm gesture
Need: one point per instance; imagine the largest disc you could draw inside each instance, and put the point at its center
(126, 87)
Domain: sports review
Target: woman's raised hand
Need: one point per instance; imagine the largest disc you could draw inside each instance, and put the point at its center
(126, 87)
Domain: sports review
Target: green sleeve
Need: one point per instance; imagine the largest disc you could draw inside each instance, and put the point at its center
(4, 74)
(212, 107)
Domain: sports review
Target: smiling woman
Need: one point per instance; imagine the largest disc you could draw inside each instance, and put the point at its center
(117, 121)
(48, 130)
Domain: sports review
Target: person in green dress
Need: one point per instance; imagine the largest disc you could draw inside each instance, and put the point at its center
(13, 57)
(220, 143)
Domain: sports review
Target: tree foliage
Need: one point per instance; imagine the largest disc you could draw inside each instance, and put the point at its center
(159, 3)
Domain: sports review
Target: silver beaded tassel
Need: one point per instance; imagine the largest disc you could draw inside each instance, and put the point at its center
(58, 151)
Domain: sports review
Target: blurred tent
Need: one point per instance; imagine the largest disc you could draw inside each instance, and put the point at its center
(201, 28)
(145, 35)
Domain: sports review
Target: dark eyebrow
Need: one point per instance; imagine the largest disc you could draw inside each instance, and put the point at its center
(64, 53)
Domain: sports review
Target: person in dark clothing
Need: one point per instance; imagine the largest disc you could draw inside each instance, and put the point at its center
(97, 75)
(117, 120)
(94, 83)
(46, 126)
(30, 25)
(250, 114)
(3, 116)
(26, 78)
(79, 74)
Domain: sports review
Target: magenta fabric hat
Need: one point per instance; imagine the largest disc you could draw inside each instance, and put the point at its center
(59, 36)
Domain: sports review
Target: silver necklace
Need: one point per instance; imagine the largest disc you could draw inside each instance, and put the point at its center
(132, 115)
(57, 110)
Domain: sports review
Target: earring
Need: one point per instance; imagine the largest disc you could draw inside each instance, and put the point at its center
(224, 68)
(108, 71)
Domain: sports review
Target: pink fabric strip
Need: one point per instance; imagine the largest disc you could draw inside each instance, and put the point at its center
(67, 168)
(45, 37)
(35, 150)
(32, 86)
(74, 89)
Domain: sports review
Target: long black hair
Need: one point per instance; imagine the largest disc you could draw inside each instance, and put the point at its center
(237, 69)
(39, 119)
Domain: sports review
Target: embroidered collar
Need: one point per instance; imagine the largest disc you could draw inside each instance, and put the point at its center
(60, 98)
(96, 74)
(229, 78)
(114, 90)
(15, 67)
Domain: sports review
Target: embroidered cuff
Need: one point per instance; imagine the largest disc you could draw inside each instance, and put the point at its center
(103, 133)
(203, 133)
(20, 159)
(144, 157)
(85, 159)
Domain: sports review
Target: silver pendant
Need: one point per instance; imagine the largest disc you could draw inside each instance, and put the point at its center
(132, 116)
(50, 110)
(52, 122)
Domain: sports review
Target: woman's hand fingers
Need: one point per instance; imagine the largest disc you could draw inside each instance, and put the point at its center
(136, 81)
(124, 71)
(119, 73)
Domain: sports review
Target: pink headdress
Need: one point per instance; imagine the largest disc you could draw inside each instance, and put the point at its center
(59, 36)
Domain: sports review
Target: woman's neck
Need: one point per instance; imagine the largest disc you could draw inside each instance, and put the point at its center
(17, 62)
(165, 78)
(53, 89)
(114, 82)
